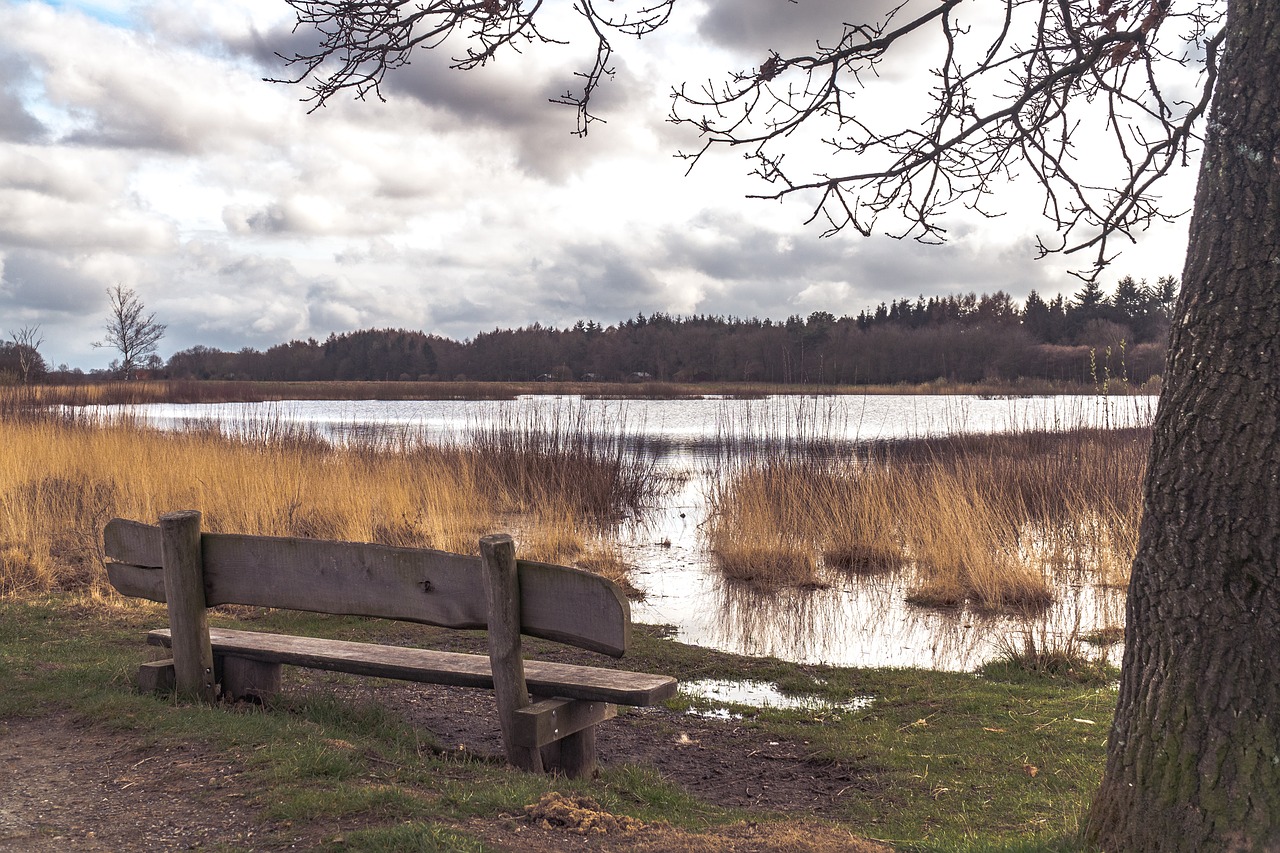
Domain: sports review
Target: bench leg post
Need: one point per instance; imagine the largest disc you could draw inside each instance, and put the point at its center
(577, 758)
(502, 589)
(254, 680)
(565, 731)
(184, 594)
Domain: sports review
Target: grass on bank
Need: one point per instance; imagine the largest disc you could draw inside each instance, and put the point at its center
(939, 761)
(61, 480)
(991, 521)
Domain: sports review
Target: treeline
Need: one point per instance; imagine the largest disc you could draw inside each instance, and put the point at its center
(370, 355)
(968, 338)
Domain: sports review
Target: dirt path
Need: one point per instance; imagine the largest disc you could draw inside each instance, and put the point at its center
(63, 786)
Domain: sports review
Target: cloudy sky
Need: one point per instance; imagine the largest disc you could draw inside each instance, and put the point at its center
(140, 145)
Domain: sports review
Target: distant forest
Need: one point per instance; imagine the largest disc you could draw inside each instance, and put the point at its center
(967, 338)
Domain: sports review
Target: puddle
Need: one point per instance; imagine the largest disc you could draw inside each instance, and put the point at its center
(759, 694)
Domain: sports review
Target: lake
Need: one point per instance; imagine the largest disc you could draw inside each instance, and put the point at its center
(859, 621)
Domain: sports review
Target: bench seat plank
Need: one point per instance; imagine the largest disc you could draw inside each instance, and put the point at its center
(435, 667)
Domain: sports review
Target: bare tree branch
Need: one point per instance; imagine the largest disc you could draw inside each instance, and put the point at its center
(361, 41)
(1024, 87)
(1008, 110)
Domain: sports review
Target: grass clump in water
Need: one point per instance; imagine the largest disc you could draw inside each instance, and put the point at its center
(1050, 655)
(983, 521)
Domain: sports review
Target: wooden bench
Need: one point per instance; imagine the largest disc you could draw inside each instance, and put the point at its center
(554, 730)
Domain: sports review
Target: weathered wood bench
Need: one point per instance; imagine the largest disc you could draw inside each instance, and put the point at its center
(554, 730)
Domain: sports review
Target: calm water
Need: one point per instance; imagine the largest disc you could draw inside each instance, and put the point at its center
(863, 622)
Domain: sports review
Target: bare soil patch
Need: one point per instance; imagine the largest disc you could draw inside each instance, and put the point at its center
(67, 787)
(721, 761)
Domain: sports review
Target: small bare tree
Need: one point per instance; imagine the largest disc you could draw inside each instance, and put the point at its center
(129, 330)
(26, 345)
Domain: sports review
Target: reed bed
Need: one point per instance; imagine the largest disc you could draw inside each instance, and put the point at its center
(62, 478)
(989, 521)
(136, 392)
(589, 460)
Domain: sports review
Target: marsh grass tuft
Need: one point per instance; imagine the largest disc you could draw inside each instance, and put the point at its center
(587, 461)
(768, 560)
(1048, 654)
(988, 521)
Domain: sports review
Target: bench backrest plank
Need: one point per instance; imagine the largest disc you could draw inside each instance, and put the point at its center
(355, 579)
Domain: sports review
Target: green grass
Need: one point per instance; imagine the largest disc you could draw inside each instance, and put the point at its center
(941, 761)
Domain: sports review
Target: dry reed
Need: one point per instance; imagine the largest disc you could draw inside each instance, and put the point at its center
(62, 478)
(983, 520)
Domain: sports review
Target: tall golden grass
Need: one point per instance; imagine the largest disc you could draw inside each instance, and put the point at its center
(985, 520)
(62, 479)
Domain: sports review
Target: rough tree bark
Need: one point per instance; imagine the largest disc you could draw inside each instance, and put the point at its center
(1194, 754)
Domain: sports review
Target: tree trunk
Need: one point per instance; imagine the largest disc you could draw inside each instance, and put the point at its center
(1193, 760)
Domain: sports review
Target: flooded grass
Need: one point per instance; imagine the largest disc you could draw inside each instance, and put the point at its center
(979, 526)
(562, 450)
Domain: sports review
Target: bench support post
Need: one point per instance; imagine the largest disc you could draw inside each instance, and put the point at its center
(244, 678)
(577, 754)
(156, 677)
(502, 589)
(184, 593)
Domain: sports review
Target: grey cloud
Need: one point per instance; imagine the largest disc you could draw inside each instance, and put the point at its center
(266, 47)
(760, 25)
(758, 272)
(799, 27)
(602, 280)
(462, 317)
(214, 295)
(310, 217)
(726, 246)
(31, 220)
(893, 269)
(272, 219)
(80, 177)
(17, 124)
(174, 102)
(44, 282)
(512, 96)
(333, 305)
(598, 279)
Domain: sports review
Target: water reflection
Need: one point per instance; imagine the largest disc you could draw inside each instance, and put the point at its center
(867, 622)
(760, 694)
(688, 428)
